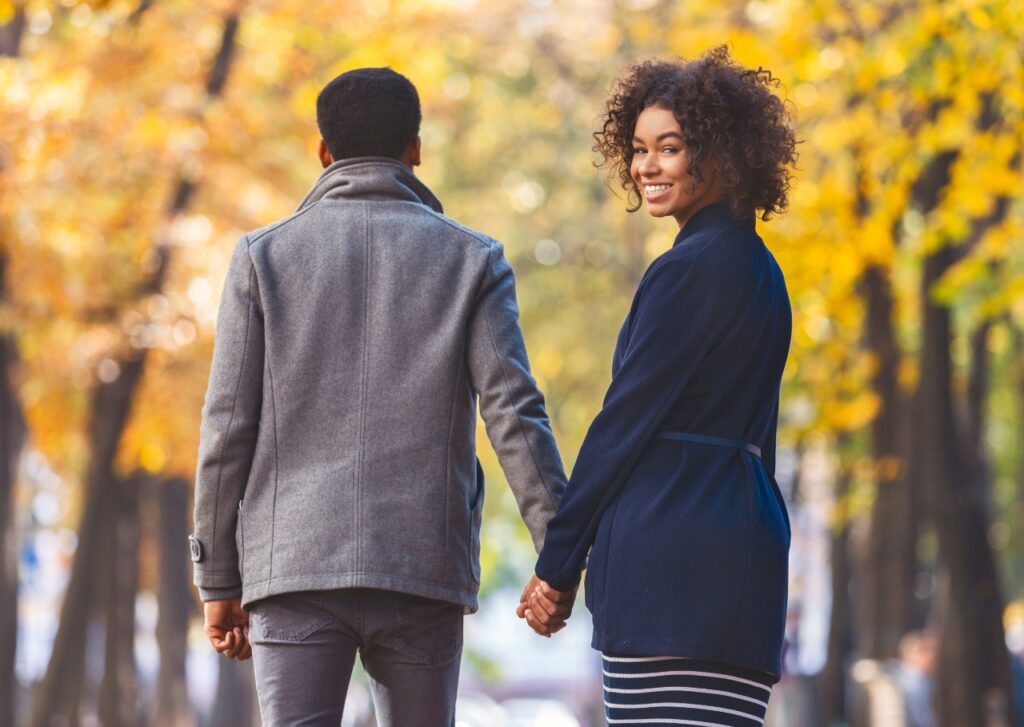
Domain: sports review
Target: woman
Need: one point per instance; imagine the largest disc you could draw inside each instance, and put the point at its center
(673, 493)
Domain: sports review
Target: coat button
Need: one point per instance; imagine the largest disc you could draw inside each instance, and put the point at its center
(195, 548)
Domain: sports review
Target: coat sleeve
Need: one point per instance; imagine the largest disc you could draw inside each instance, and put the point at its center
(511, 405)
(230, 423)
(683, 306)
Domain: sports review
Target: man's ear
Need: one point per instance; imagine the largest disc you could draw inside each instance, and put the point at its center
(411, 157)
(325, 154)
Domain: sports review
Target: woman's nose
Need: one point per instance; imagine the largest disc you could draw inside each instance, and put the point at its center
(648, 165)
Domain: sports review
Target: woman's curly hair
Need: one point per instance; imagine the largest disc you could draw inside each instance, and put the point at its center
(728, 115)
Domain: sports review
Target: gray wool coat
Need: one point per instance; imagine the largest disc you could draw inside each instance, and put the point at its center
(337, 445)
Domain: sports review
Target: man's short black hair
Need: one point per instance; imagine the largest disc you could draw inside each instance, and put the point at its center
(368, 112)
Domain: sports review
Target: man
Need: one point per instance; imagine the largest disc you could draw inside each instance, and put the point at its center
(338, 495)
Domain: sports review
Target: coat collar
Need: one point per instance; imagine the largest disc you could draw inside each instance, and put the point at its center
(375, 178)
(716, 214)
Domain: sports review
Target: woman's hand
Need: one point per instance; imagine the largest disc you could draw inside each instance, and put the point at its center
(545, 609)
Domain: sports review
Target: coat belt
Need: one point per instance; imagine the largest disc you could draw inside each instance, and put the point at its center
(707, 439)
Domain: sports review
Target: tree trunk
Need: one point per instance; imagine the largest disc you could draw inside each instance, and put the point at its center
(136, 17)
(977, 392)
(176, 603)
(12, 32)
(12, 439)
(832, 680)
(889, 563)
(973, 668)
(12, 431)
(118, 706)
(974, 677)
(973, 671)
(58, 695)
(1017, 514)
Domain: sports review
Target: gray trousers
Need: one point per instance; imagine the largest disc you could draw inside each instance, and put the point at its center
(304, 647)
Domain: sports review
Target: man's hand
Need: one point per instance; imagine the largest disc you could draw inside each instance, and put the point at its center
(545, 609)
(227, 627)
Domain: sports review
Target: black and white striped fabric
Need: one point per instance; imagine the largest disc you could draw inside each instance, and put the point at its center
(665, 690)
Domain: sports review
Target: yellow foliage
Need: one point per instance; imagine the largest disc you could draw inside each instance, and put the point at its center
(101, 120)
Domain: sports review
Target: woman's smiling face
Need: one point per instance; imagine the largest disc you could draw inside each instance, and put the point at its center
(660, 168)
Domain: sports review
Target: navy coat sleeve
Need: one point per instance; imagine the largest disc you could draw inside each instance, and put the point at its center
(683, 305)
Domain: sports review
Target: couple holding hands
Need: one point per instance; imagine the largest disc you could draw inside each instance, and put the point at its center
(338, 494)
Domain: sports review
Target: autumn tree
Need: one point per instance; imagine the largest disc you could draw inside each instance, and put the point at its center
(141, 138)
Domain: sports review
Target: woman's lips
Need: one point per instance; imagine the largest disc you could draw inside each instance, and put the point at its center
(656, 192)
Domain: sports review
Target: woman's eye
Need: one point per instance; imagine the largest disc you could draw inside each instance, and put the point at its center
(639, 150)
(669, 149)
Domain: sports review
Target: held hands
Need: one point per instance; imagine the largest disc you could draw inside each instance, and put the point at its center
(227, 627)
(545, 609)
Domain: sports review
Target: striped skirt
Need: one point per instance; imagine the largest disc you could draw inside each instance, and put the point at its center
(665, 690)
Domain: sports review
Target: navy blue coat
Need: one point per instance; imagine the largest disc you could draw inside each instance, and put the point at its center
(673, 493)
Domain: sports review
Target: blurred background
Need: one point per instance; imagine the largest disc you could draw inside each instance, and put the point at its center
(140, 137)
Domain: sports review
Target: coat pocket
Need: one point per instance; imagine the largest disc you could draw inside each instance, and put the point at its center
(781, 501)
(752, 484)
(476, 510)
(769, 503)
(240, 540)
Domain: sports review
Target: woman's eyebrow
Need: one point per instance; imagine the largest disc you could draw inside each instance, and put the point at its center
(661, 137)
